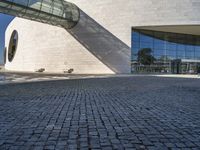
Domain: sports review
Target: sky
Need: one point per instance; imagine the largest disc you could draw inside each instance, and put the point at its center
(4, 21)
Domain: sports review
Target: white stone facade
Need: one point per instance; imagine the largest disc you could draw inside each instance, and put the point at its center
(49, 47)
(100, 43)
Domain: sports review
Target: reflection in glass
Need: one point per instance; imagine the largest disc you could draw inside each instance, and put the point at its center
(161, 52)
(12, 45)
(54, 12)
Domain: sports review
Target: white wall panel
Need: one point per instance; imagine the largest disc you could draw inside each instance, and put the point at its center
(52, 48)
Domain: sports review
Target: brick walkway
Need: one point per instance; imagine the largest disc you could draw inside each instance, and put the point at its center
(106, 113)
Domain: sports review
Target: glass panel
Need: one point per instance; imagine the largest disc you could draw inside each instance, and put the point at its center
(55, 12)
(47, 6)
(135, 50)
(197, 55)
(190, 47)
(171, 46)
(146, 45)
(180, 47)
(12, 45)
(146, 39)
(181, 54)
(162, 52)
(57, 9)
(36, 4)
(135, 37)
(135, 44)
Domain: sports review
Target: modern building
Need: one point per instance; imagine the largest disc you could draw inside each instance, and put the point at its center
(103, 36)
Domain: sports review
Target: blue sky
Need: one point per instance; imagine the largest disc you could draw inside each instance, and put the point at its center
(4, 21)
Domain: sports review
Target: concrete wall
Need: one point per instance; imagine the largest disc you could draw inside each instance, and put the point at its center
(102, 38)
(52, 48)
(119, 16)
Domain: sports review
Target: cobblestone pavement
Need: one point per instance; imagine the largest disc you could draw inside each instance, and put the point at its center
(105, 113)
(6, 77)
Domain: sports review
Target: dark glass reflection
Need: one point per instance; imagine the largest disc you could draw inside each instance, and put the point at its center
(12, 45)
(161, 52)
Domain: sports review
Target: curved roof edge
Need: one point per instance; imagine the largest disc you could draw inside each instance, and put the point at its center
(182, 29)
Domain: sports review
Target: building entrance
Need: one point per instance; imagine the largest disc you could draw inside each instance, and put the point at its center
(162, 52)
(176, 66)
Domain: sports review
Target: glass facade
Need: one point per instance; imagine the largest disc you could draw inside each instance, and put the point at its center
(54, 12)
(161, 52)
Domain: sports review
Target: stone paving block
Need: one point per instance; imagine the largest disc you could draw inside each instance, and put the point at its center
(138, 112)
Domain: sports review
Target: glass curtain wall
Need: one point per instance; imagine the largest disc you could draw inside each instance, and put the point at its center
(161, 52)
(54, 12)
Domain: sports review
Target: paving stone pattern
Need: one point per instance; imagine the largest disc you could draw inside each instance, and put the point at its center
(119, 113)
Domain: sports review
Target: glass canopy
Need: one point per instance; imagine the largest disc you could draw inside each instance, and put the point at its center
(54, 12)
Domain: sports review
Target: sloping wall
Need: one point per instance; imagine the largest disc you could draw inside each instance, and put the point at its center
(52, 48)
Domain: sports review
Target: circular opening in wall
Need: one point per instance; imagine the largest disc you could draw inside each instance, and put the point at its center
(12, 45)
